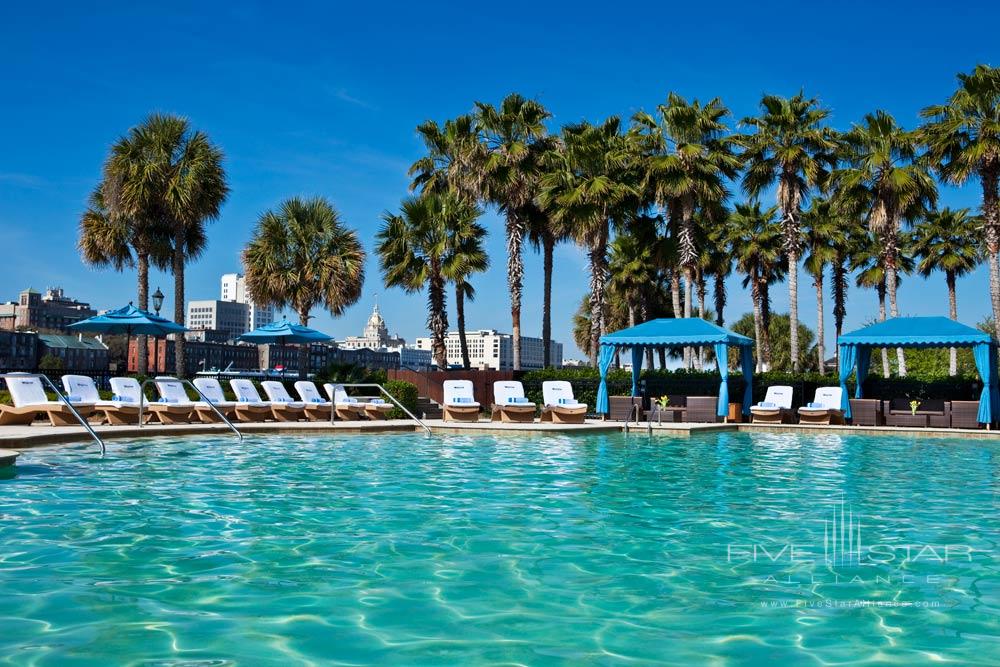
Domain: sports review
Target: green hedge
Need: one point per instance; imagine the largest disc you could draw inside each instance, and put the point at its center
(404, 392)
(706, 383)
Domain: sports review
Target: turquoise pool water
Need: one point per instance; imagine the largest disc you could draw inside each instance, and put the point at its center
(401, 549)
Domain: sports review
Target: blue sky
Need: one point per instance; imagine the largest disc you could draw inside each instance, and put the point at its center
(323, 99)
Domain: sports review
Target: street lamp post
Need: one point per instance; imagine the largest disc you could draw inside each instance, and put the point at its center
(157, 304)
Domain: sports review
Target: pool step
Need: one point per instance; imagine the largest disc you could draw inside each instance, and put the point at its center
(427, 409)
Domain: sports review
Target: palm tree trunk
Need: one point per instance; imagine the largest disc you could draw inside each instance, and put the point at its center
(304, 348)
(662, 353)
(949, 277)
(701, 314)
(881, 316)
(675, 292)
(515, 282)
(460, 316)
(890, 283)
(765, 323)
(820, 330)
(688, 298)
(757, 329)
(990, 179)
(178, 269)
(437, 318)
(598, 257)
(839, 302)
(548, 246)
(143, 296)
(720, 299)
(644, 313)
(793, 308)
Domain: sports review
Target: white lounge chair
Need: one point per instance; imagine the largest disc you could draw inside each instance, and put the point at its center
(244, 411)
(114, 412)
(775, 408)
(509, 403)
(560, 406)
(308, 392)
(172, 391)
(277, 393)
(825, 408)
(128, 390)
(30, 400)
(373, 409)
(459, 402)
(281, 411)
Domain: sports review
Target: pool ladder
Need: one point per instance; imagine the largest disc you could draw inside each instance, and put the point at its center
(188, 383)
(83, 422)
(333, 410)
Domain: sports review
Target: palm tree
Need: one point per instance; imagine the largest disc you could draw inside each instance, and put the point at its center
(868, 261)
(790, 147)
(585, 185)
(947, 241)
(689, 159)
(844, 241)
(886, 183)
(454, 160)
(755, 241)
(426, 244)
(514, 140)
(164, 170)
(963, 139)
(467, 258)
(822, 230)
(301, 256)
(544, 233)
(110, 239)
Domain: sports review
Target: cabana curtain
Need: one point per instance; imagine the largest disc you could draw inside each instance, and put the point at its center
(921, 332)
(674, 333)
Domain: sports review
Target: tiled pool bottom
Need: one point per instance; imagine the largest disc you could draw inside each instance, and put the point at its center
(485, 549)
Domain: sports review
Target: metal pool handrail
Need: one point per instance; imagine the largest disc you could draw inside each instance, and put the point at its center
(142, 398)
(333, 407)
(59, 394)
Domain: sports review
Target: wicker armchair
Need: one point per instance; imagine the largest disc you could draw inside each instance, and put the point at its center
(702, 409)
(965, 414)
(623, 408)
(866, 412)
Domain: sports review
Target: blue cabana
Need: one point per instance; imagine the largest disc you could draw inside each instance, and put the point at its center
(921, 332)
(674, 333)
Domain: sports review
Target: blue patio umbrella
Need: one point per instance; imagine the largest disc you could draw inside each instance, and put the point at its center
(282, 332)
(129, 321)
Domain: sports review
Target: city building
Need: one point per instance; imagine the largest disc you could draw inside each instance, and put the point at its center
(322, 355)
(228, 317)
(489, 349)
(234, 289)
(77, 353)
(52, 311)
(18, 351)
(374, 337)
(198, 355)
(412, 358)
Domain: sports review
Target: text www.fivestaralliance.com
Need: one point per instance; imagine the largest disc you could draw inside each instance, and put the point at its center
(846, 604)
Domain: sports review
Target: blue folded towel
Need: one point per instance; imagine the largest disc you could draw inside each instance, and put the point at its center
(167, 400)
(517, 399)
(461, 399)
(377, 401)
(73, 398)
(766, 404)
(815, 405)
(565, 401)
(318, 400)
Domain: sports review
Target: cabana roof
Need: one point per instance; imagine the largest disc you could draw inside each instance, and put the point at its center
(674, 332)
(916, 332)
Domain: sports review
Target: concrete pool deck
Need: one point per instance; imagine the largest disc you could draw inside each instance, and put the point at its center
(13, 438)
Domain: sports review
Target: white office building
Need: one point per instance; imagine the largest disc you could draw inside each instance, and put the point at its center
(489, 349)
(234, 289)
(228, 317)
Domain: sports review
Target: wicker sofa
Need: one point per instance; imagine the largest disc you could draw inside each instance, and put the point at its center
(702, 409)
(897, 412)
(623, 408)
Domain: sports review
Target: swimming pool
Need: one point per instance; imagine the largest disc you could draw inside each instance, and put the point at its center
(726, 548)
